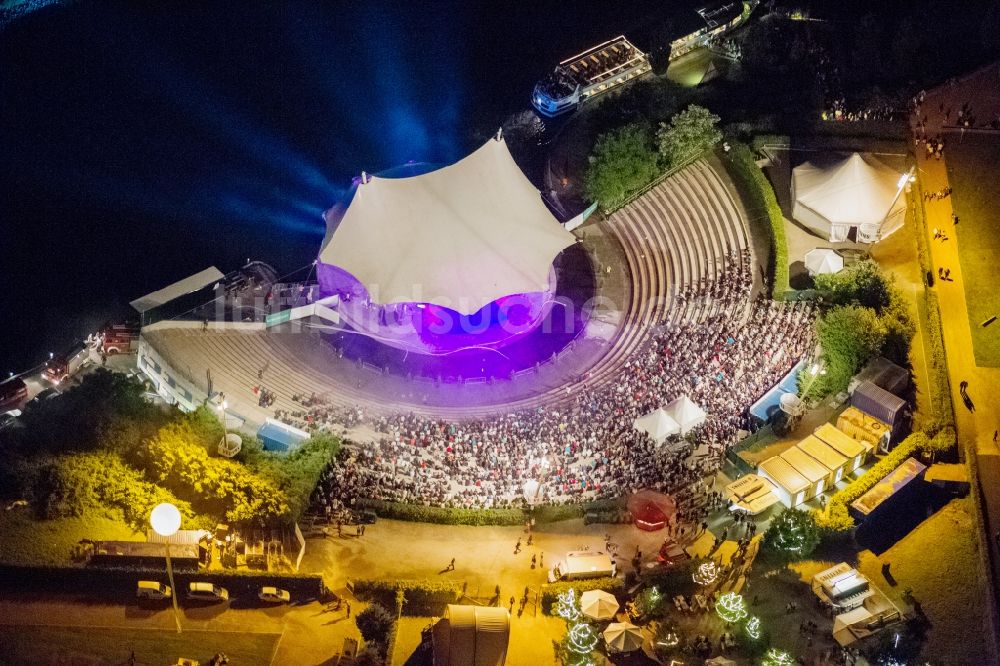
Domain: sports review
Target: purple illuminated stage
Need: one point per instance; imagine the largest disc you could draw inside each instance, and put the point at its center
(428, 328)
(457, 271)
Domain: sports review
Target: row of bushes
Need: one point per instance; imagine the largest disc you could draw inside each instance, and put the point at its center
(420, 597)
(762, 198)
(116, 582)
(548, 513)
(937, 364)
(835, 517)
(551, 591)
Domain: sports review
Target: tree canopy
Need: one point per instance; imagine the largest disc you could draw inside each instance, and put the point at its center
(793, 534)
(623, 161)
(689, 132)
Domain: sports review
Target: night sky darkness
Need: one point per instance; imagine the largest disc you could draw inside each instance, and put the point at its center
(141, 144)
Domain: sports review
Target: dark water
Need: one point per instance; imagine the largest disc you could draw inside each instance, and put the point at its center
(139, 144)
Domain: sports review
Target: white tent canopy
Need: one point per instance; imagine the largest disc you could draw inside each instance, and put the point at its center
(191, 283)
(823, 260)
(461, 236)
(686, 413)
(533, 491)
(598, 604)
(857, 192)
(623, 637)
(658, 425)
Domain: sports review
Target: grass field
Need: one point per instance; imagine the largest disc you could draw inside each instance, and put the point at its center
(24, 540)
(973, 166)
(21, 644)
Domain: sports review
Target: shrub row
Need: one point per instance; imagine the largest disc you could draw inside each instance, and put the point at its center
(762, 198)
(548, 513)
(835, 518)
(421, 597)
(120, 582)
(552, 590)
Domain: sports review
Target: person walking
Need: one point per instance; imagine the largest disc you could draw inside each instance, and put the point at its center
(533, 559)
(512, 603)
(517, 546)
(451, 565)
(348, 609)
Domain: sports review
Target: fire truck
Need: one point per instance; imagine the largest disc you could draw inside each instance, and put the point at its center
(121, 338)
(62, 366)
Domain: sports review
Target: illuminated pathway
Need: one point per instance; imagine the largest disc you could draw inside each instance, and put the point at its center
(975, 429)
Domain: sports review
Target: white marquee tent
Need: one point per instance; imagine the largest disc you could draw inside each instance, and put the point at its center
(461, 236)
(658, 425)
(858, 192)
(686, 413)
(471, 636)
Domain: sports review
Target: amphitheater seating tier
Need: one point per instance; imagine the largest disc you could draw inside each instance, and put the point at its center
(681, 232)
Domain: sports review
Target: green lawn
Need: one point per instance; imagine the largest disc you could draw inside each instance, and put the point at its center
(24, 540)
(938, 560)
(53, 645)
(973, 166)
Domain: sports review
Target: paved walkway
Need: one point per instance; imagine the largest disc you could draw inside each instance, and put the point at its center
(975, 428)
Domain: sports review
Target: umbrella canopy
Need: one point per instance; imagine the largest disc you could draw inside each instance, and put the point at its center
(822, 260)
(640, 503)
(623, 637)
(658, 425)
(598, 604)
(533, 491)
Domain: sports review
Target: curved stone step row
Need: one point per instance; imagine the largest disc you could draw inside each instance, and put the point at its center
(673, 236)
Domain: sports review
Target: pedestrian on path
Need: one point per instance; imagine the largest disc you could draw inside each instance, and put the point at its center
(517, 546)
(995, 434)
(512, 603)
(533, 559)
(348, 609)
(451, 565)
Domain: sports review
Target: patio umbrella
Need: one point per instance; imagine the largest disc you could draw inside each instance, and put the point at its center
(598, 604)
(823, 260)
(623, 637)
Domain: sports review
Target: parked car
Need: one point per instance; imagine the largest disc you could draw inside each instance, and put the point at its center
(274, 595)
(207, 592)
(151, 589)
(43, 395)
(7, 419)
(13, 393)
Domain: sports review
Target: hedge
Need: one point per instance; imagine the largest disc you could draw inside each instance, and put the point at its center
(761, 198)
(835, 517)
(615, 586)
(548, 513)
(120, 582)
(421, 597)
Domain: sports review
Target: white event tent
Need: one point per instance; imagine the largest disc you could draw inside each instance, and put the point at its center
(858, 192)
(686, 413)
(658, 425)
(461, 236)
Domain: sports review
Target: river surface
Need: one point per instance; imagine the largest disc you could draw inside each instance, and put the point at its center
(140, 143)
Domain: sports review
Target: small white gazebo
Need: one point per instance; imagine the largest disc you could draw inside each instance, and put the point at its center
(686, 414)
(623, 637)
(658, 425)
(598, 604)
(823, 260)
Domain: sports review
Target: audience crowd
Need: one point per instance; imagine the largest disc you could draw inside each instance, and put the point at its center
(723, 354)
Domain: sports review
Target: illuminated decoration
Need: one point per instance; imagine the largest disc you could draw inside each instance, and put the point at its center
(776, 657)
(582, 638)
(706, 574)
(731, 607)
(566, 606)
(753, 628)
(793, 531)
(670, 639)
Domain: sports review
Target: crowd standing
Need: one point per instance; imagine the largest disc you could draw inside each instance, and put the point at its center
(586, 449)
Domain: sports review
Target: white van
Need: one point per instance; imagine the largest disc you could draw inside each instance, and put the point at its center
(207, 592)
(150, 589)
(580, 564)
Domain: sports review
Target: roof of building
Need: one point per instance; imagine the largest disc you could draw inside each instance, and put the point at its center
(877, 402)
(886, 374)
(460, 237)
(822, 452)
(805, 464)
(783, 474)
(840, 441)
(190, 284)
(896, 480)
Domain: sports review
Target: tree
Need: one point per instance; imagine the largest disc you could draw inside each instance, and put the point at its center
(850, 335)
(375, 623)
(793, 534)
(690, 132)
(621, 162)
(862, 283)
